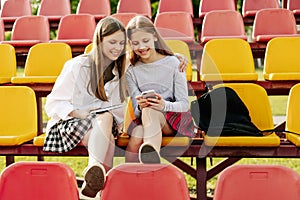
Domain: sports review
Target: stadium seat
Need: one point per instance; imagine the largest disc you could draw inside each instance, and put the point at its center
(142, 7)
(273, 22)
(175, 25)
(227, 60)
(209, 5)
(222, 24)
(28, 31)
(8, 65)
(99, 9)
(12, 9)
(259, 182)
(175, 6)
(124, 18)
(18, 123)
(76, 29)
(282, 59)
(145, 181)
(294, 5)
(38, 180)
(250, 7)
(44, 63)
(178, 46)
(88, 48)
(260, 113)
(54, 10)
(292, 112)
(2, 30)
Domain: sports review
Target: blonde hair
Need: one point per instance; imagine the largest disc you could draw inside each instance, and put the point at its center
(107, 26)
(143, 23)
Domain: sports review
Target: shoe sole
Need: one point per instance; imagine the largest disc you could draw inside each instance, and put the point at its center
(149, 155)
(94, 179)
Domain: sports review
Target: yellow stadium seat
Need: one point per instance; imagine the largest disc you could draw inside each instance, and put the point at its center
(88, 48)
(257, 102)
(179, 46)
(292, 120)
(282, 59)
(227, 60)
(8, 63)
(44, 63)
(129, 116)
(18, 118)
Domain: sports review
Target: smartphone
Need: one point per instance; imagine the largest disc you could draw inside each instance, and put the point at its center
(148, 94)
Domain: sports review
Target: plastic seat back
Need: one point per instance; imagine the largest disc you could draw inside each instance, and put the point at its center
(147, 181)
(8, 63)
(222, 24)
(31, 28)
(38, 180)
(99, 9)
(178, 46)
(175, 25)
(124, 18)
(76, 29)
(18, 119)
(15, 8)
(227, 60)
(257, 182)
(209, 5)
(54, 9)
(273, 22)
(175, 6)
(250, 7)
(292, 112)
(294, 5)
(142, 7)
(260, 113)
(282, 59)
(44, 63)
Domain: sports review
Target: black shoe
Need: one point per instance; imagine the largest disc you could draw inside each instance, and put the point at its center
(94, 179)
(148, 155)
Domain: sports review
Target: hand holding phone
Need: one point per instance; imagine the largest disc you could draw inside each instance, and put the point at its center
(148, 94)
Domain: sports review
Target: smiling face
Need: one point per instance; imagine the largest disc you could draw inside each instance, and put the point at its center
(113, 45)
(142, 44)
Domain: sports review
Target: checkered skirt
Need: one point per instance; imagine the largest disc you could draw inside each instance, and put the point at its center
(66, 134)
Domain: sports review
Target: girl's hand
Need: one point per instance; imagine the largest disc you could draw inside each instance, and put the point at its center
(142, 103)
(183, 62)
(156, 103)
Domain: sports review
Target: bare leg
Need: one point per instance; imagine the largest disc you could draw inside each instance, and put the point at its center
(135, 141)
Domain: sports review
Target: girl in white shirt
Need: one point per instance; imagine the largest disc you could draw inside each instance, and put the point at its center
(86, 83)
(154, 67)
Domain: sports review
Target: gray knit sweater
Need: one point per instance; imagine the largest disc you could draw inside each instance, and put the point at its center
(164, 77)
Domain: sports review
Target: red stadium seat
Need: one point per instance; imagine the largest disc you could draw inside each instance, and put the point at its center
(259, 182)
(2, 30)
(250, 7)
(209, 5)
(54, 9)
(38, 180)
(76, 29)
(175, 6)
(124, 17)
(135, 181)
(273, 22)
(222, 24)
(29, 30)
(142, 7)
(175, 25)
(99, 9)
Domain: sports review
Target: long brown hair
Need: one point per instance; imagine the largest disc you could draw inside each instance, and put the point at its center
(106, 27)
(143, 23)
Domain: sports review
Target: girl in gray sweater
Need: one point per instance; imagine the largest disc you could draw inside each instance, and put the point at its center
(154, 67)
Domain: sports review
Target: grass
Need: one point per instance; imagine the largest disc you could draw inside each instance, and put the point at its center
(278, 105)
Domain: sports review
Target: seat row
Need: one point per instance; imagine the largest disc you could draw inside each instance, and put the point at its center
(19, 123)
(222, 60)
(54, 180)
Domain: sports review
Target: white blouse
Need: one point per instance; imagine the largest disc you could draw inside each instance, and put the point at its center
(70, 93)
